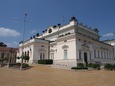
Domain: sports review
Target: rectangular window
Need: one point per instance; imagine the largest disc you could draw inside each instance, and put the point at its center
(52, 55)
(65, 54)
(98, 54)
(7, 55)
(79, 54)
(104, 55)
(94, 53)
(43, 55)
(101, 54)
(107, 55)
(90, 55)
(40, 56)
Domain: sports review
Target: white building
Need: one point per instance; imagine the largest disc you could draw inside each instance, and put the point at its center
(68, 45)
(111, 42)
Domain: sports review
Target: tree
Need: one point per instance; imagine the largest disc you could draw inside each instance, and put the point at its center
(26, 58)
(2, 44)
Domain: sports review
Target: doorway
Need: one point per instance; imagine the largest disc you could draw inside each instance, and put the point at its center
(85, 59)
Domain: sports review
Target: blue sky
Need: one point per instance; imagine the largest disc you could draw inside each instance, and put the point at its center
(43, 13)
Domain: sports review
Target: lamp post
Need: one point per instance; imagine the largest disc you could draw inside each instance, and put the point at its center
(23, 40)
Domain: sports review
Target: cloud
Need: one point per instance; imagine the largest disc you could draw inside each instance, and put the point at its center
(108, 35)
(8, 32)
(34, 31)
(12, 44)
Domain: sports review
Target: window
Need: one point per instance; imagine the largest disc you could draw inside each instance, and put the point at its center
(90, 56)
(98, 54)
(28, 53)
(79, 54)
(104, 55)
(43, 55)
(94, 53)
(7, 55)
(101, 54)
(52, 55)
(40, 56)
(107, 55)
(65, 54)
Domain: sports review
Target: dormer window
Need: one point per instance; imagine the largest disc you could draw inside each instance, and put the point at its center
(50, 30)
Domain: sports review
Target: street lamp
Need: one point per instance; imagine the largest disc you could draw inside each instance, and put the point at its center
(23, 41)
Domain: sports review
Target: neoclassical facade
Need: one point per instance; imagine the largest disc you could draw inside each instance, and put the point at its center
(68, 45)
(111, 42)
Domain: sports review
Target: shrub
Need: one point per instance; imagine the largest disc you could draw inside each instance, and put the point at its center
(26, 57)
(90, 65)
(46, 61)
(109, 66)
(79, 68)
(18, 64)
(113, 67)
(96, 66)
(80, 65)
(24, 65)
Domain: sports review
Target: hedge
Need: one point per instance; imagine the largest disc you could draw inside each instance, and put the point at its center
(80, 65)
(94, 65)
(90, 65)
(24, 65)
(46, 61)
(109, 66)
(79, 68)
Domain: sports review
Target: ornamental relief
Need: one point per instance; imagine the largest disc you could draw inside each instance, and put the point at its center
(65, 47)
(52, 50)
(85, 47)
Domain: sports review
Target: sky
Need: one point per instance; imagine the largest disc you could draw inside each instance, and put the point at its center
(44, 13)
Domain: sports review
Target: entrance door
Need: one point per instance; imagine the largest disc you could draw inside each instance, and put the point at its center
(85, 58)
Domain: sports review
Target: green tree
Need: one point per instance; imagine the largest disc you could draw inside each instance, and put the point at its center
(26, 58)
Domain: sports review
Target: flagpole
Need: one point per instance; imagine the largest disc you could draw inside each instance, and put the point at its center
(23, 41)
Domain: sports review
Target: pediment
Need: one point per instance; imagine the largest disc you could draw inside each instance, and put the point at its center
(65, 47)
(42, 50)
(85, 47)
(52, 50)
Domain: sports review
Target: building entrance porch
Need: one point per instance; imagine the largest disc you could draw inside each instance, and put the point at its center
(85, 59)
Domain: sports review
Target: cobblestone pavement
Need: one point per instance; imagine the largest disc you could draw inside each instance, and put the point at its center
(40, 75)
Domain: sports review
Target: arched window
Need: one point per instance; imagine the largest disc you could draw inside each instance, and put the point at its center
(28, 53)
(65, 54)
(65, 51)
(25, 54)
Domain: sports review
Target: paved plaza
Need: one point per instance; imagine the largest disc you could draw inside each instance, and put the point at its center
(40, 75)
